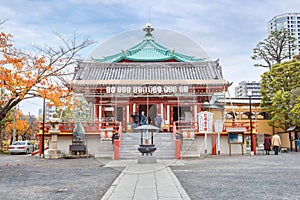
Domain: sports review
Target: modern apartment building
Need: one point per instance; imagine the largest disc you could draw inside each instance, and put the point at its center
(290, 21)
(49, 110)
(244, 87)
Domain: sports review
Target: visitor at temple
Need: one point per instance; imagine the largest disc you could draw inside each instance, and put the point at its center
(276, 142)
(135, 119)
(267, 144)
(143, 118)
(158, 121)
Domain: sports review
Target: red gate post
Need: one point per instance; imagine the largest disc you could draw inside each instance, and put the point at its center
(40, 145)
(254, 143)
(214, 145)
(117, 149)
(177, 149)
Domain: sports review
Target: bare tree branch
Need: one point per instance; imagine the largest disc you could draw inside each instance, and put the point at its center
(41, 70)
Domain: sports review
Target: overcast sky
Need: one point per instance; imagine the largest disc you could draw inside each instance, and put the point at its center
(226, 29)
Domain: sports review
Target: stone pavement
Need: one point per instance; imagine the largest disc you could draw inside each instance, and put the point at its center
(238, 177)
(145, 181)
(212, 177)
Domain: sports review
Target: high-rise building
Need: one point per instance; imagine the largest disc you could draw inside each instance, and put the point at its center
(40, 112)
(244, 87)
(49, 110)
(291, 22)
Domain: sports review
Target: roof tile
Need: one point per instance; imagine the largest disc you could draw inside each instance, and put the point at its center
(164, 72)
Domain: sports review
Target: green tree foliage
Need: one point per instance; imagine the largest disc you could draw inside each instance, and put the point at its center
(280, 93)
(275, 48)
(296, 109)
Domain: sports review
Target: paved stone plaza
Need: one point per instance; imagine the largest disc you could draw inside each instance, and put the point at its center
(31, 178)
(242, 177)
(212, 177)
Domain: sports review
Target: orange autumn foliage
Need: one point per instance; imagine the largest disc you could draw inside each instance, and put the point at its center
(25, 126)
(22, 74)
(21, 124)
(28, 75)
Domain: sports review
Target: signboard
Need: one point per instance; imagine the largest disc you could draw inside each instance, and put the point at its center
(260, 138)
(205, 120)
(109, 109)
(236, 138)
(218, 126)
(236, 135)
(154, 89)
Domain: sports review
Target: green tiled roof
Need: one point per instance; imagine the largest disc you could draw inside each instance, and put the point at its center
(148, 51)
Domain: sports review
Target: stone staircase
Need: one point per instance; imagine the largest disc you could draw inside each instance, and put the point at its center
(164, 143)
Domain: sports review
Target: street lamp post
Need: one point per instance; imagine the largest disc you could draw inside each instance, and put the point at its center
(250, 118)
(43, 132)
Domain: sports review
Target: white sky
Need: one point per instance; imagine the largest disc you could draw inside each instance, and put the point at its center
(226, 29)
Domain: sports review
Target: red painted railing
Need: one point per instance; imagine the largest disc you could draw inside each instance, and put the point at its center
(89, 127)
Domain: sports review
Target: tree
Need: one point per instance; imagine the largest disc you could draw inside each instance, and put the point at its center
(296, 108)
(3, 124)
(275, 48)
(280, 93)
(22, 125)
(40, 73)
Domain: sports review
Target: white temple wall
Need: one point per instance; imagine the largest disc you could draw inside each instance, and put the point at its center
(236, 149)
(92, 142)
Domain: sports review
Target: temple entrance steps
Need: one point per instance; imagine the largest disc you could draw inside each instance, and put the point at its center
(191, 148)
(164, 142)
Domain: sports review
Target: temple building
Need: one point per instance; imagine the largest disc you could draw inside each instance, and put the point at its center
(149, 78)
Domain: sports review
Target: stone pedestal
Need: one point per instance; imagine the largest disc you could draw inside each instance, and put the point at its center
(54, 154)
(78, 148)
(147, 159)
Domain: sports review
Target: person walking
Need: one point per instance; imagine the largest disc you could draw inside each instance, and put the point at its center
(276, 142)
(267, 144)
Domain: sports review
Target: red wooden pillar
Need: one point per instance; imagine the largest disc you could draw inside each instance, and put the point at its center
(214, 145)
(131, 104)
(97, 111)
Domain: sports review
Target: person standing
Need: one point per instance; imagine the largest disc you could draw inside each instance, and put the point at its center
(135, 119)
(158, 121)
(276, 142)
(267, 144)
(143, 118)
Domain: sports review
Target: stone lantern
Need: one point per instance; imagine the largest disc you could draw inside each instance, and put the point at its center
(53, 151)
